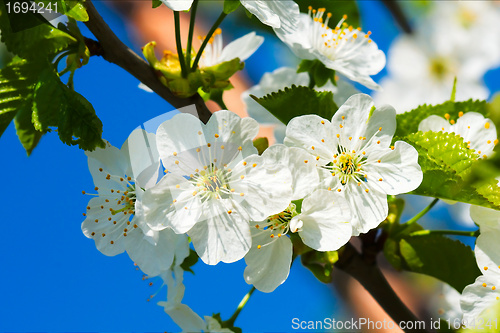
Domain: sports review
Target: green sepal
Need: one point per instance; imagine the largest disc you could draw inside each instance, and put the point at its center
(297, 101)
(230, 6)
(261, 144)
(224, 70)
(320, 264)
(156, 3)
(190, 261)
(226, 324)
(318, 73)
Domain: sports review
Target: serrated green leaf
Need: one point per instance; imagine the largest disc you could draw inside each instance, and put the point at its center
(71, 8)
(443, 258)
(25, 130)
(55, 105)
(297, 101)
(38, 41)
(16, 85)
(408, 122)
(447, 163)
(231, 5)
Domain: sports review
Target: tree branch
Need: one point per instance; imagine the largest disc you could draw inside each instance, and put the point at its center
(372, 279)
(114, 51)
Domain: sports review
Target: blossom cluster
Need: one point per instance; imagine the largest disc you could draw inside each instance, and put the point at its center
(233, 203)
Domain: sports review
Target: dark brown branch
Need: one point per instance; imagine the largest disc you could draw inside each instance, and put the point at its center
(398, 14)
(113, 50)
(372, 279)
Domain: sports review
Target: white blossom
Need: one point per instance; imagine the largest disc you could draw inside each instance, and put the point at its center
(353, 157)
(483, 294)
(215, 184)
(278, 80)
(478, 133)
(323, 225)
(242, 48)
(344, 49)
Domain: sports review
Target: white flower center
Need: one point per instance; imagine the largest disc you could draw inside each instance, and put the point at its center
(340, 42)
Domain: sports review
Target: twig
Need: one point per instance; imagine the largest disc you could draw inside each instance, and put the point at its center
(372, 279)
(113, 50)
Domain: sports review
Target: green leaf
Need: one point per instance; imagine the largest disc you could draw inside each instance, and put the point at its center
(408, 122)
(55, 105)
(156, 3)
(261, 144)
(448, 260)
(318, 73)
(320, 264)
(190, 261)
(447, 163)
(231, 5)
(71, 8)
(16, 86)
(25, 130)
(297, 101)
(38, 41)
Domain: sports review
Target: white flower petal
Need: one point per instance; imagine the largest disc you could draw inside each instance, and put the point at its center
(178, 5)
(478, 297)
(398, 171)
(368, 209)
(267, 266)
(480, 131)
(155, 259)
(264, 190)
(161, 211)
(241, 48)
(305, 176)
(325, 220)
(434, 123)
(223, 237)
(277, 13)
(142, 154)
(485, 217)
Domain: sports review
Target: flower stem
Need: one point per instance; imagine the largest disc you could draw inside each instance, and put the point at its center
(422, 213)
(221, 18)
(240, 307)
(445, 232)
(194, 7)
(178, 43)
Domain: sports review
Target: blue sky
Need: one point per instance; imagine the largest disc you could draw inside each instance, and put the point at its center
(53, 278)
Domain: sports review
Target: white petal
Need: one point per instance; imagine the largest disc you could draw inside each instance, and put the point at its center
(485, 217)
(305, 176)
(223, 237)
(241, 48)
(214, 326)
(476, 298)
(269, 266)
(368, 209)
(434, 123)
(472, 127)
(398, 172)
(110, 159)
(178, 5)
(154, 259)
(263, 189)
(312, 131)
(277, 14)
(325, 220)
(108, 236)
(161, 211)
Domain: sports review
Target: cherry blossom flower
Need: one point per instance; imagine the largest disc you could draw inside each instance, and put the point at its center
(353, 157)
(120, 176)
(478, 132)
(344, 49)
(323, 225)
(483, 293)
(215, 184)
